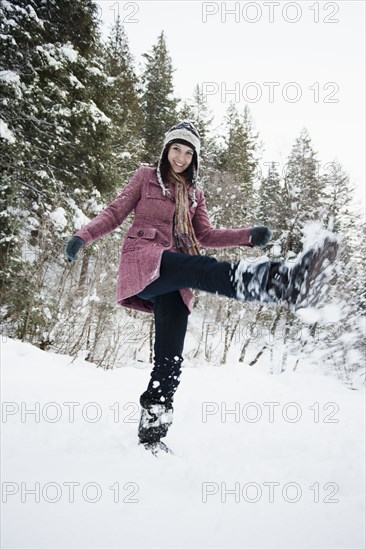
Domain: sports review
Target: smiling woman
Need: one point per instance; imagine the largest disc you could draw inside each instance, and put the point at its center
(180, 157)
(161, 263)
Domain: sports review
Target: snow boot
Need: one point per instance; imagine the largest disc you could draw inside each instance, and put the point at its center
(309, 276)
(295, 286)
(155, 420)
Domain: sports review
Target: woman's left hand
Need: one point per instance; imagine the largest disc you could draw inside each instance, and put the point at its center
(260, 235)
(72, 248)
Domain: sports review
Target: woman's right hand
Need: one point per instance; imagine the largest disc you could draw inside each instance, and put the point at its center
(260, 235)
(72, 248)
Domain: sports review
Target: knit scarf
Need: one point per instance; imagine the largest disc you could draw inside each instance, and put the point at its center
(185, 237)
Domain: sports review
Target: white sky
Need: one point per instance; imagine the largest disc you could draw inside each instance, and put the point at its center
(230, 54)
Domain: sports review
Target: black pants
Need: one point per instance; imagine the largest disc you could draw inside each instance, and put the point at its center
(178, 270)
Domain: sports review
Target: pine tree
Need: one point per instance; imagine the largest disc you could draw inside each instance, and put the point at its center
(338, 195)
(304, 192)
(122, 103)
(73, 82)
(341, 217)
(53, 144)
(241, 145)
(72, 22)
(159, 104)
(270, 200)
(239, 159)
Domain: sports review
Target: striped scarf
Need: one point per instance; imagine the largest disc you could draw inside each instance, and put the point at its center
(183, 229)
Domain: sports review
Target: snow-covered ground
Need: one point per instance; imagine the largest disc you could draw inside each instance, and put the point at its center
(285, 470)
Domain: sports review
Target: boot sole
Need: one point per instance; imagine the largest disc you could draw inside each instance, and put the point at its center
(317, 268)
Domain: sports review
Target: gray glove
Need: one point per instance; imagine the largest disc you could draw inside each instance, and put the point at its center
(260, 235)
(72, 248)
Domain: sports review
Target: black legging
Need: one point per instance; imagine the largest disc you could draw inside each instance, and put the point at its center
(179, 270)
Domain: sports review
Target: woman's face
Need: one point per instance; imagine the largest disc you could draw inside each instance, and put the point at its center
(180, 157)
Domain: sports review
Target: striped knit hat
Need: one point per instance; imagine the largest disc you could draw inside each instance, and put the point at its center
(184, 131)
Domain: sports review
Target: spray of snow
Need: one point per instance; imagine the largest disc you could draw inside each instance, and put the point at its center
(314, 234)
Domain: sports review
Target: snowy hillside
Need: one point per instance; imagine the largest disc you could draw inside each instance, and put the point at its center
(285, 471)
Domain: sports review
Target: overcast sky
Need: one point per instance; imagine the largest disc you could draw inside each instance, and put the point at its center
(296, 64)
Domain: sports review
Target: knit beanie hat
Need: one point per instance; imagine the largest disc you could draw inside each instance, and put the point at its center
(185, 131)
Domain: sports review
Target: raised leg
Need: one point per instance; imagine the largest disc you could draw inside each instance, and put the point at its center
(179, 270)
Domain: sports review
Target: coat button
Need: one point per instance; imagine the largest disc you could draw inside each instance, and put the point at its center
(166, 243)
(140, 233)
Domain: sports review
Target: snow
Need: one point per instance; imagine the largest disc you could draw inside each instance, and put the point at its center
(13, 79)
(309, 315)
(332, 312)
(251, 265)
(362, 325)
(354, 356)
(276, 249)
(6, 133)
(9, 76)
(50, 59)
(8, 37)
(315, 234)
(69, 52)
(261, 461)
(79, 219)
(92, 298)
(33, 223)
(58, 217)
(62, 111)
(41, 174)
(76, 82)
(34, 16)
(6, 4)
(10, 22)
(98, 114)
(51, 51)
(329, 313)
(95, 71)
(125, 155)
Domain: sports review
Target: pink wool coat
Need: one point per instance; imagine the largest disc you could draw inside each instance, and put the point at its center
(151, 233)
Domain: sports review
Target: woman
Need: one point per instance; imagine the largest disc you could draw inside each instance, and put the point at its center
(161, 263)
